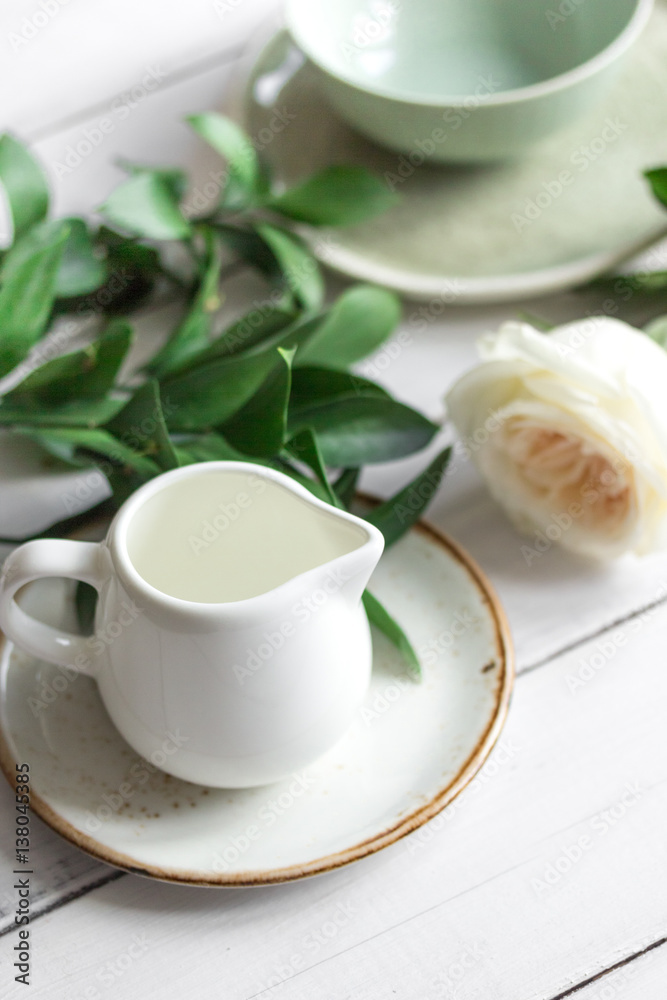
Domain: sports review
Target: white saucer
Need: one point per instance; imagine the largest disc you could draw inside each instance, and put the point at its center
(411, 750)
(455, 234)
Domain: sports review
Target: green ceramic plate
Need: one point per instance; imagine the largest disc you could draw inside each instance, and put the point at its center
(573, 208)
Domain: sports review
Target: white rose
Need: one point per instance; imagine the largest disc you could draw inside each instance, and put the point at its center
(570, 431)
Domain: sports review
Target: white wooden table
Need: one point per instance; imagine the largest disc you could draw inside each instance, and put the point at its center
(548, 877)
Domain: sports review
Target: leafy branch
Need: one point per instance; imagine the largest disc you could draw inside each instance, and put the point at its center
(650, 285)
(274, 387)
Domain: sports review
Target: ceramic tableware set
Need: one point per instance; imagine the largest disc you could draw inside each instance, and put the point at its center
(241, 656)
(513, 133)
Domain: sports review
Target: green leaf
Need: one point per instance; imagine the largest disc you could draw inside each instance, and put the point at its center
(345, 486)
(86, 605)
(315, 385)
(74, 413)
(305, 448)
(356, 325)
(133, 269)
(206, 396)
(361, 430)
(87, 374)
(24, 184)
(397, 515)
(109, 353)
(300, 270)
(248, 332)
(27, 292)
(81, 270)
(626, 285)
(246, 181)
(141, 426)
(658, 180)
(125, 251)
(250, 247)
(192, 334)
(380, 617)
(52, 372)
(657, 330)
(538, 322)
(124, 482)
(175, 179)
(78, 445)
(145, 205)
(336, 196)
(260, 427)
(209, 447)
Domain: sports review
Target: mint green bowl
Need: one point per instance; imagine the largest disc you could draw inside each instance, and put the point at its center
(464, 80)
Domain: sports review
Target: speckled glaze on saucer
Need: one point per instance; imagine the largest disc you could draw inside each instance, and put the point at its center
(490, 233)
(412, 747)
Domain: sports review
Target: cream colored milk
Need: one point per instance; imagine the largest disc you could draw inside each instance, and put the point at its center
(228, 536)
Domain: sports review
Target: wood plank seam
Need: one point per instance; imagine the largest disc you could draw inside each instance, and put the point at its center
(189, 72)
(612, 968)
(589, 637)
(67, 898)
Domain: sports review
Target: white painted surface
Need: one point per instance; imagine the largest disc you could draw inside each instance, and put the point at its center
(456, 910)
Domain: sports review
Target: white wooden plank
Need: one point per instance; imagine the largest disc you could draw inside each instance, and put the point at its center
(81, 160)
(642, 979)
(61, 56)
(60, 868)
(549, 870)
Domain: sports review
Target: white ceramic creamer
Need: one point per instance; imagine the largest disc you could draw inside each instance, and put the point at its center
(230, 643)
